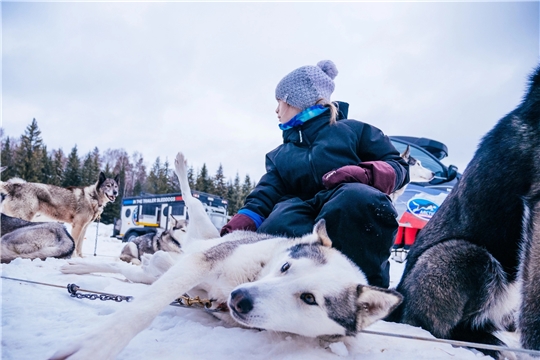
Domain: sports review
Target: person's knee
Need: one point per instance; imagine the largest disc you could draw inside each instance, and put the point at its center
(363, 196)
(292, 218)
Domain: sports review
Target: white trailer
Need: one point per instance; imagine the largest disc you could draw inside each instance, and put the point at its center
(144, 214)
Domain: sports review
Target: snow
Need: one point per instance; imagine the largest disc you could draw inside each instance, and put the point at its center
(37, 320)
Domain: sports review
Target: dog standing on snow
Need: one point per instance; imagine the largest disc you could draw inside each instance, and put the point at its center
(78, 206)
(301, 285)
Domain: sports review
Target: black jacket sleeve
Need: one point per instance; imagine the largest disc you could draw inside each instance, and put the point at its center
(267, 193)
(375, 146)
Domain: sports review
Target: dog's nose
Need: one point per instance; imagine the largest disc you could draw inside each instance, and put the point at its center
(115, 192)
(241, 301)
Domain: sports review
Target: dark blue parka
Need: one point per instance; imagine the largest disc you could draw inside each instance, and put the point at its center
(296, 168)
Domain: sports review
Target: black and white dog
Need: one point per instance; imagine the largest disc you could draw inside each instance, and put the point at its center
(465, 271)
(300, 285)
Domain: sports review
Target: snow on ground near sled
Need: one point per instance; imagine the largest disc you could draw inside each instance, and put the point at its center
(37, 320)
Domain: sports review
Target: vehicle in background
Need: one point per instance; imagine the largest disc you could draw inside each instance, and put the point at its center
(421, 199)
(143, 214)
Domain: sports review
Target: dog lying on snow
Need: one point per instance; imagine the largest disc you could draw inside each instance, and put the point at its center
(32, 240)
(300, 286)
(167, 240)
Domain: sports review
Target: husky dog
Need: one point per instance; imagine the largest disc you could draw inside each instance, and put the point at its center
(154, 241)
(31, 240)
(78, 206)
(417, 173)
(300, 285)
(484, 241)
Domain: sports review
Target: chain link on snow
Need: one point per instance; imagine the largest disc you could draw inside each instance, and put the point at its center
(73, 288)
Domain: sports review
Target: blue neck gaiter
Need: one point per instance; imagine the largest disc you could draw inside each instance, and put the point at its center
(303, 116)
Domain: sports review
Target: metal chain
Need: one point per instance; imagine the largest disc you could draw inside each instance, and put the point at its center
(73, 288)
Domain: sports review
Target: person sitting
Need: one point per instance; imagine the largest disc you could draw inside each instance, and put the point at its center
(328, 167)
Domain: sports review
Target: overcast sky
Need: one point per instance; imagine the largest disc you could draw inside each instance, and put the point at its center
(159, 78)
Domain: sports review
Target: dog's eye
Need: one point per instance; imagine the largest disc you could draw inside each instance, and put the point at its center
(308, 298)
(285, 267)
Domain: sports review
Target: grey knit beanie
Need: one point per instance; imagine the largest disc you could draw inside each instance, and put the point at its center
(304, 86)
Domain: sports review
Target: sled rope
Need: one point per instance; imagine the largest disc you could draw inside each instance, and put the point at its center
(455, 342)
(74, 288)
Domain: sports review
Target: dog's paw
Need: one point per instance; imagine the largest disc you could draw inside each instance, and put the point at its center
(75, 267)
(93, 347)
(180, 163)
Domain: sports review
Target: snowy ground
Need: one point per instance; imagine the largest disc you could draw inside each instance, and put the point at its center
(38, 319)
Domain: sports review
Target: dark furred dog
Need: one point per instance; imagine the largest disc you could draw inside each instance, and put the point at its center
(167, 240)
(484, 239)
(34, 240)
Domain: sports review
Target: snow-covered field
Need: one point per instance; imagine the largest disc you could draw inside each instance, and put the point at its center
(38, 319)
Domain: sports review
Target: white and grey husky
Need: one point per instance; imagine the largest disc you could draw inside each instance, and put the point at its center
(301, 286)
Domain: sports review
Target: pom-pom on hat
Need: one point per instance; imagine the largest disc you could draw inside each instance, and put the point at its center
(304, 86)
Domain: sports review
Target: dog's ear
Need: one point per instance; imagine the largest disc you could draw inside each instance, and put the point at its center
(405, 155)
(375, 303)
(320, 230)
(174, 222)
(101, 178)
(117, 179)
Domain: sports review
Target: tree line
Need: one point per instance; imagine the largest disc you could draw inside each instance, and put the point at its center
(29, 159)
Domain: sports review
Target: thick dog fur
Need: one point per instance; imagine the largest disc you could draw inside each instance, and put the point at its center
(417, 173)
(463, 271)
(32, 240)
(78, 206)
(301, 285)
(167, 240)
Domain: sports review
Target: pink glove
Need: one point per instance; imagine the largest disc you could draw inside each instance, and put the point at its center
(378, 174)
(238, 222)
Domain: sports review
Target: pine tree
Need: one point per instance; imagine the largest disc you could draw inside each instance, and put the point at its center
(57, 171)
(139, 174)
(234, 195)
(191, 178)
(96, 163)
(203, 182)
(157, 181)
(29, 155)
(246, 188)
(87, 176)
(220, 188)
(72, 174)
(8, 159)
(121, 168)
(173, 184)
(46, 170)
(90, 168)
